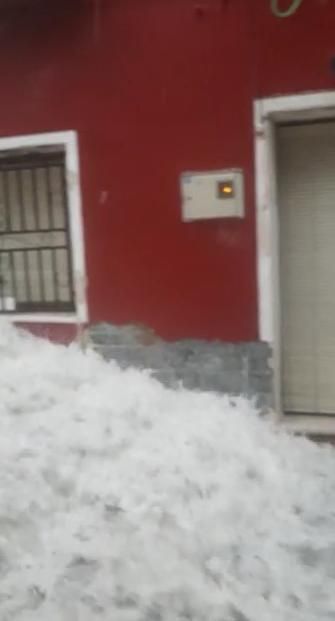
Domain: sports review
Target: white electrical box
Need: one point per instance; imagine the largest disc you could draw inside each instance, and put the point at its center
(209, 195)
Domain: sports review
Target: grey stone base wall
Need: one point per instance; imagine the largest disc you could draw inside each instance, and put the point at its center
(230, 368)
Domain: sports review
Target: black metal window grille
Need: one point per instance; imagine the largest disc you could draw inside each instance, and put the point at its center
(35, 247)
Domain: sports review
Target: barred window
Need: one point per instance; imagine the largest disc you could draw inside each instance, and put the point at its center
(35, 246)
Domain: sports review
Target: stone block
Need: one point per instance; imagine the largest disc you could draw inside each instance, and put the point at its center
(230, 368)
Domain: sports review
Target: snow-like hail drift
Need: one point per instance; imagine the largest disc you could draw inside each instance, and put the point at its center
(124, 501)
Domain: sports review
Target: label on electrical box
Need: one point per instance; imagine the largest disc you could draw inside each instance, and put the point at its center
(225, 190)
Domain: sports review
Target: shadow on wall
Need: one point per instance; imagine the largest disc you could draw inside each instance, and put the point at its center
(23, 21)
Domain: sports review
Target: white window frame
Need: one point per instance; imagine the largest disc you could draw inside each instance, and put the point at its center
(69, 141)
(268, 112)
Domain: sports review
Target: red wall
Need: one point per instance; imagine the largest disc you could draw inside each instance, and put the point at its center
(156, 87)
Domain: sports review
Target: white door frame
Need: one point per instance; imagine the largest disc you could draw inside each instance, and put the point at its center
(268, 112)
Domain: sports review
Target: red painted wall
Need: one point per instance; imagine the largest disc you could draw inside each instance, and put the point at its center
(156, 87)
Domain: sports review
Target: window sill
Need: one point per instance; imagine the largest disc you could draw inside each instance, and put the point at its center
(48, 318)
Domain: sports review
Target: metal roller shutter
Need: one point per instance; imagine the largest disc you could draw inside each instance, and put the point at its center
(306, 193)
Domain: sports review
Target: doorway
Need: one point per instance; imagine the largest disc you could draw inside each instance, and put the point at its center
(294, 156)
(306, 208)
